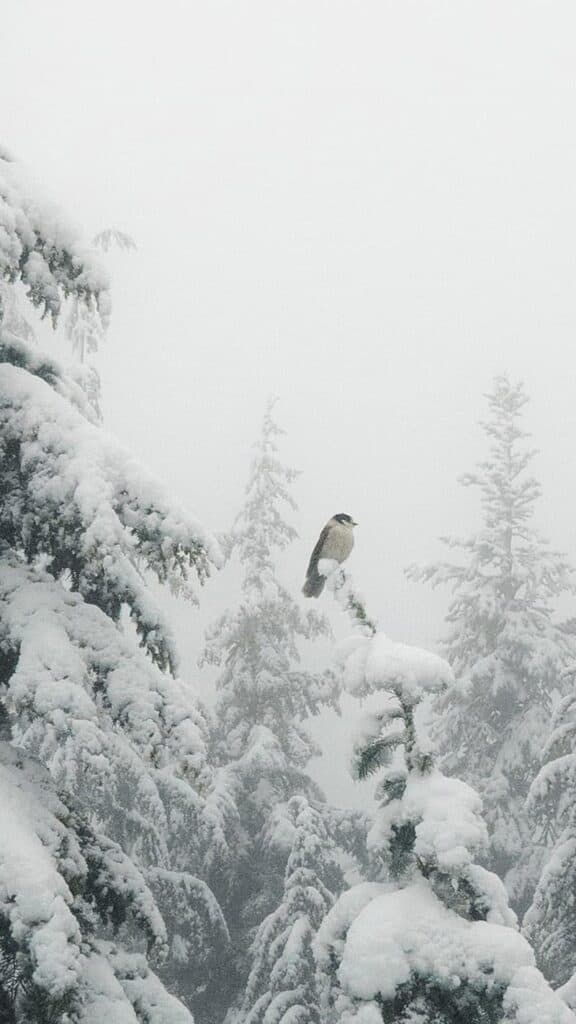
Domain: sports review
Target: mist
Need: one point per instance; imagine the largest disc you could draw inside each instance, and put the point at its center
(365, 212)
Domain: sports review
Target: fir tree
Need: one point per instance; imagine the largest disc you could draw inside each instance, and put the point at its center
(431, 940)
(261, 741)
(283, 984)
(505, 648)
(124, 741)
(263, 686)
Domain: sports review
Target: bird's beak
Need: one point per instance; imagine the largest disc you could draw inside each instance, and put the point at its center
(354, 524)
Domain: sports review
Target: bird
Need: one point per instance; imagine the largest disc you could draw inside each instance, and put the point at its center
(335, 542)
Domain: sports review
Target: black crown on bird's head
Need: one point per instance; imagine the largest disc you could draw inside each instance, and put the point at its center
(343, 517)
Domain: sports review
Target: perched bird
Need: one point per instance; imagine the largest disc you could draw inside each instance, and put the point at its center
(335, 542)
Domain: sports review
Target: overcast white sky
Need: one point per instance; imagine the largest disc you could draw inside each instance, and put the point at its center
(367, 209)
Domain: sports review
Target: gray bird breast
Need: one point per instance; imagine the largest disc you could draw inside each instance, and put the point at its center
(338, 543)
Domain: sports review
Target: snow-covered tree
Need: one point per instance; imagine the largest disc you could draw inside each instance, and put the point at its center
(550, 923)
(65, 888)
(283, 983)
(506, 649)
(263, 685)
(261, 742)
(432, 940)
(81, 526)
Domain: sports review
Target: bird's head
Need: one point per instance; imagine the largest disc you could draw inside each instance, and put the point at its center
(344, 519)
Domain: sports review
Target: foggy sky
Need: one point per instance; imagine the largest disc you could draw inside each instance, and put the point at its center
(367, 209)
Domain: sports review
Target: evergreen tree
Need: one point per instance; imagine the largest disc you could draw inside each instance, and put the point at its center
(432, 940)
(550, 923)
(65, 890)
(506, 650)
(81, 525)
(261, 741)
(283, 983)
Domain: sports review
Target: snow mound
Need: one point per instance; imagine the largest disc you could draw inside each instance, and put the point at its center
(410, 931)
(378, 663)
(530, 1000)
(385, 938)
(332, 932)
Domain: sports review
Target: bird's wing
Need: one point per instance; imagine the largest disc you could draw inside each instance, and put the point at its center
(317, 553)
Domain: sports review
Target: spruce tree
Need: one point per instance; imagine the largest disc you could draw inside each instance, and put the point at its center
(506, 649)
(432, 939)
(81, 527)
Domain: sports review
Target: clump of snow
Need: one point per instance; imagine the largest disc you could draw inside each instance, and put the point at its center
(409, 931)
(449, 829)
(366, 1013)
(331, 935)
(385, 939)
(327, 567)
(378, 663)
(568, 992)
(530, 1000)
(491, 892)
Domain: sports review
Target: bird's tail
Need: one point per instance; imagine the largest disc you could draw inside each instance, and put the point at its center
(314, 584)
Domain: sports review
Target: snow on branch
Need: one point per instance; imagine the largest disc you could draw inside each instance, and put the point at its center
(77, 497)
(60, 881)
(39, 248)
(86, 699)
(376, 663)
(35, 896)
(120, 978)
(71, 383)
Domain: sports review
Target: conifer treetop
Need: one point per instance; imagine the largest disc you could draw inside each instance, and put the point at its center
(264, 691)
(434, 938)
(260, 529)
(506, 558)
(504, 643)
